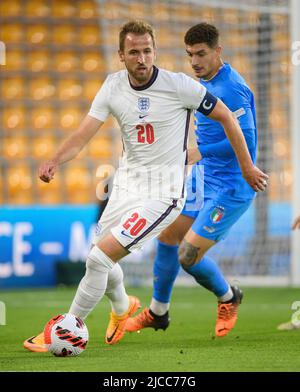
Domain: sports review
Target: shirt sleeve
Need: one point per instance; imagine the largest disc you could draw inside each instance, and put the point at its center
(223, 149)
(190, 92)
(100, 108)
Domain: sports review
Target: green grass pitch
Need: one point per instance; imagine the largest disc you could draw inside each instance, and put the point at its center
(187, 345)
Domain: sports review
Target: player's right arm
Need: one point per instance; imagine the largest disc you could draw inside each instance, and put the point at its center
(70, 148)
(89, 126)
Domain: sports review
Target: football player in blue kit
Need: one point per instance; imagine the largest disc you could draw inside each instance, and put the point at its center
(207, 217)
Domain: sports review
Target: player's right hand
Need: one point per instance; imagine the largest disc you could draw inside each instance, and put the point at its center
(47, 170)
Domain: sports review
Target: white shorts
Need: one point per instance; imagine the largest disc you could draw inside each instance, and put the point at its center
(133, 220)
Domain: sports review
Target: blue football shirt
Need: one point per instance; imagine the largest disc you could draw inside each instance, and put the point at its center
(222, 173)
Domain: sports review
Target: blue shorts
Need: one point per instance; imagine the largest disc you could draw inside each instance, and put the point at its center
(214, 213)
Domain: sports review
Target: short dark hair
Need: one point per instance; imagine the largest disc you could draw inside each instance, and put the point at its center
(138, 27)
(202, 33)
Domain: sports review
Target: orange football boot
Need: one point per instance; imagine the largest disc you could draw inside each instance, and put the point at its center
(227, 313)
(36, 343)
(147, 319)
(117, 324)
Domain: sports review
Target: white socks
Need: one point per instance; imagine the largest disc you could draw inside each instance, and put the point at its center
(116, 292)
(159, 308)
(227, 296)
(93, 285)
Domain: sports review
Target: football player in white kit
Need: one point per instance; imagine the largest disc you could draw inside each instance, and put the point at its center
(152, 107)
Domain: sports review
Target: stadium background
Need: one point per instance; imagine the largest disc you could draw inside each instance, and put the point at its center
(58, 53)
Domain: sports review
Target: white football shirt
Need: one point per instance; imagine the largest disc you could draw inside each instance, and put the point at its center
(154, 122)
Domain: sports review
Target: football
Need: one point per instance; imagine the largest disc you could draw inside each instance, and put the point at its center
(66, 335)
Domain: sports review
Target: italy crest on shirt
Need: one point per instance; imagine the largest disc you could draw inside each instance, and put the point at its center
(217, 214)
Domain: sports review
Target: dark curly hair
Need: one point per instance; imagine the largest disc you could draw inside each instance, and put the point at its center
(202, 33)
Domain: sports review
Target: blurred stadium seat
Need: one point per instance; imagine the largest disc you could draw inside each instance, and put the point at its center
(38, 8)
(89, 35)
(11, 33)
(78, 184)
(15, 147)
(66, 61)
(11, 7)
(37, 33)
(69, 117)
(90, 88)
(64, 34)
(19, 184)
(87, 9)
(42, 117)
(38, 61)
(92, 62)
(101, 148)
(43, 147)
(49, 193)
(69, 89)
(63, 8)
(41, 88)
(14, 118)
(12, 87)
(15, 60)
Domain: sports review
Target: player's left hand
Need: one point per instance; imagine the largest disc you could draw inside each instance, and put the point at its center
(194, 156)
(257, 179)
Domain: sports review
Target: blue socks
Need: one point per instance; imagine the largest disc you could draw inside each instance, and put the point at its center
(165, 270)
(208, 274)
(166, 267)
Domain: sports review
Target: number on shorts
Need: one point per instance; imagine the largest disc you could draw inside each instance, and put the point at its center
(138, 226)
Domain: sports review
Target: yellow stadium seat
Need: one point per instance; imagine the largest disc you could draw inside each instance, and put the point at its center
(87, 9)
(40, 8)
(161, 11)
(111, 10)
(41, 88)
(19, 183)
(63, 8)
(16, 147)
(167, 61)
(38, 61)
(11, 8)
(90, 88)
(49, 193)
(89, 35)
(66, 62)
(92, 62)
(165, 37)
(64, 34)
(70, 118)
(100, 148)
(37, 33)
(42, 118)
(12, 33)
(43, 147)
(79, 185)
(69, 89)
(137, 10)
(14, 118)
(15, 60)
(12, 88)
(184, 12)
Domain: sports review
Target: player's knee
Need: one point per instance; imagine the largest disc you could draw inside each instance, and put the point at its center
(188, 254)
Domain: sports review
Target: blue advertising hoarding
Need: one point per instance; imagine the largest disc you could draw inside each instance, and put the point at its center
(32, 239)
